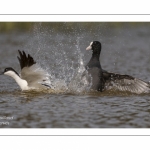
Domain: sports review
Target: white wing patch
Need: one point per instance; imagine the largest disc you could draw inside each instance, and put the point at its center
(35, 76)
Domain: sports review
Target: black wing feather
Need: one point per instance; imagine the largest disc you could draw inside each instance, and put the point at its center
(125, 83)
(116, 76)
(24, 60)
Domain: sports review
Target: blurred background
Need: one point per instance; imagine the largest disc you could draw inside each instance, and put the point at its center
(66, 26)
(59, 47)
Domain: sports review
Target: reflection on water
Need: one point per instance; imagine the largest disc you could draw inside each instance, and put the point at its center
(124, 50)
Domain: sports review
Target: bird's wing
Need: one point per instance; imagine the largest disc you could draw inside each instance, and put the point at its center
(125, 83)
(32, 72)
(24, 60)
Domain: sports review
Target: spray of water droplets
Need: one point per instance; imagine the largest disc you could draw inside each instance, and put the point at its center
(61, 58)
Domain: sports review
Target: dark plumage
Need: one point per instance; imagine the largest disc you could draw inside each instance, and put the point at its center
(25, 61)
(94, 61)
(10, 69)
(94, 68)
(103, 80)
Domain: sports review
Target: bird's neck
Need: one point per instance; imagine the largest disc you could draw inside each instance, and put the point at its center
(95, 56)
(22, 83)
(94, 61)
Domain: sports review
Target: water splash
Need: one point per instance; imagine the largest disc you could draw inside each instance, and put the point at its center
(81, 67)
(79, 81)
(63, 60)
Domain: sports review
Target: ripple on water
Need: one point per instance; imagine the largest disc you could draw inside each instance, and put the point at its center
(77, 108)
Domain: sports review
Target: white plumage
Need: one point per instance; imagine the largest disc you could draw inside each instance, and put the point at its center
(32, 76)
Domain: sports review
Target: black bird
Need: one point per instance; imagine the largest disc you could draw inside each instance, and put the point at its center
(94, 68)
(103, 80)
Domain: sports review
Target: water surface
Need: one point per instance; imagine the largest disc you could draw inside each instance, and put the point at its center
(125, 50)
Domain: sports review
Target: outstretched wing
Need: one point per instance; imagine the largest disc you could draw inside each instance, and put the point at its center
(32, 72)
(125, 83)
(25, 61)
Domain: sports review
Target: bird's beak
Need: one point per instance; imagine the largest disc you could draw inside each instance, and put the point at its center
(1, 73)
(89, 47)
